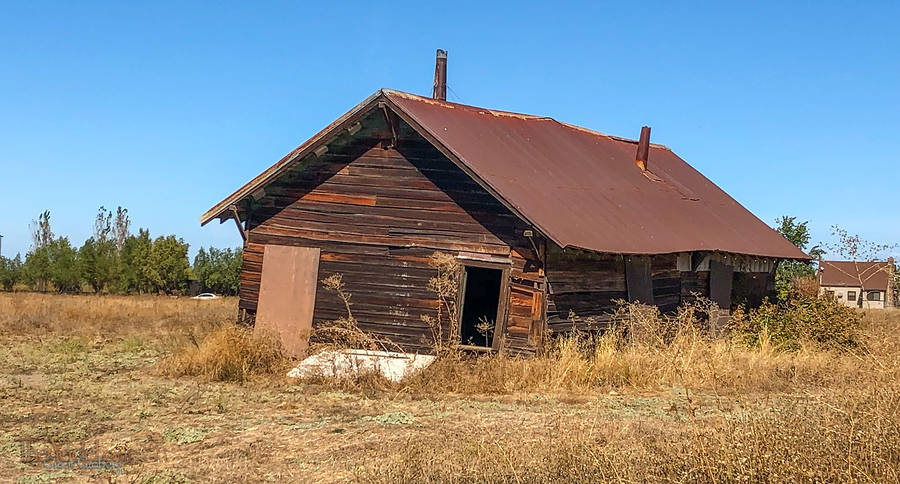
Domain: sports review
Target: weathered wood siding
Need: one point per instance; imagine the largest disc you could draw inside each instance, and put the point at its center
(377, 215)
(694, 284)
(752, 288)
(666, 281)
(582, 288)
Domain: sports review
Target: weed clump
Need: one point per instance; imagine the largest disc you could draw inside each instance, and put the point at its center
(825, 323)
(343, 332)
(229, 353)
(185, 435)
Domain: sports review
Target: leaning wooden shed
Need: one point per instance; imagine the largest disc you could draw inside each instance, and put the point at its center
(551, 222)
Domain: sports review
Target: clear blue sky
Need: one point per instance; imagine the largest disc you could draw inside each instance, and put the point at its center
(167, 107)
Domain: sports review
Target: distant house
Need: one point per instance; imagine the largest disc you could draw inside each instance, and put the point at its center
(552, 223)
(861, 284)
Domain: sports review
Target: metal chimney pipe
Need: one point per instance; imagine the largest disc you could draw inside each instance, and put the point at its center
(440, 76)
(643, 149)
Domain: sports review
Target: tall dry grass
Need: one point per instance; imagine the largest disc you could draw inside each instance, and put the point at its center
(851, 437)
(650, 352)
(811, 414)
(229, 353)
(30, 314)
(199, 337)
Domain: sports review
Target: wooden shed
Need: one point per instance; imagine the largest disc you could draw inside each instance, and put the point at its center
(551, 222)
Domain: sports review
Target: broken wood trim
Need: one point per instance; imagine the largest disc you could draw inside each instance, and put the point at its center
(701, 261)
(390, 118)
(237, 221)
(472, 258)
(502, 309)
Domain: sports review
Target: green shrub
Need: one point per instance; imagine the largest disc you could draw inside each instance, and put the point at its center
(821, 321)
(10, 271)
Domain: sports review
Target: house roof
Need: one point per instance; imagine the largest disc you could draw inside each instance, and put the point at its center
(874, 275)
(579, 187)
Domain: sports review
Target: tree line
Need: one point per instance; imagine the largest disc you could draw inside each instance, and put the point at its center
(114, 260)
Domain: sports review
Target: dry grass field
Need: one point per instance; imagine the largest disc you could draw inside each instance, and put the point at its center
(153, 389)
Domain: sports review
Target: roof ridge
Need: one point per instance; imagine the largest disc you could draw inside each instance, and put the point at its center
(610, 136)
(501, 112)
(452, 104)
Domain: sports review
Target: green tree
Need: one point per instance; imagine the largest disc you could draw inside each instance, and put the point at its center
(103, 224)
(64, 271)
(41, 233)
(97, 261)
(169, 264)
(98, 257)
(219, 269)
(120, 227)
(10, 271)
(796, 233)
(135, 272)
(37, 269)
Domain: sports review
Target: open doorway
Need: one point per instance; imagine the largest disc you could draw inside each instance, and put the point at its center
(480, 300)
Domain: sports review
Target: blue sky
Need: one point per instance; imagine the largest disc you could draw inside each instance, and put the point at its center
(167, 107)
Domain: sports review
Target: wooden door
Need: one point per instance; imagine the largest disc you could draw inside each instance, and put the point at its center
(287, 295)
(525, 322)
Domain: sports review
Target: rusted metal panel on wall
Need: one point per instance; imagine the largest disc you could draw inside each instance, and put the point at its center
(287, 295)
(638, 279)
(721, 278)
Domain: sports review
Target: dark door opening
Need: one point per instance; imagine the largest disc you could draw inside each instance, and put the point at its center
(480, 301)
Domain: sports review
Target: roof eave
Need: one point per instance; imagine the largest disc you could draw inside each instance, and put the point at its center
(287, 161)
(766, 256)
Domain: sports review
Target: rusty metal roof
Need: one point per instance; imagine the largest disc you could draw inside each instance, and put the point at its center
(579, 187)
(849, 273)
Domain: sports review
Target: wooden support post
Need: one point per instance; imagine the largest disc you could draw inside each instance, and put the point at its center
(237, 221)
(390, 118)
